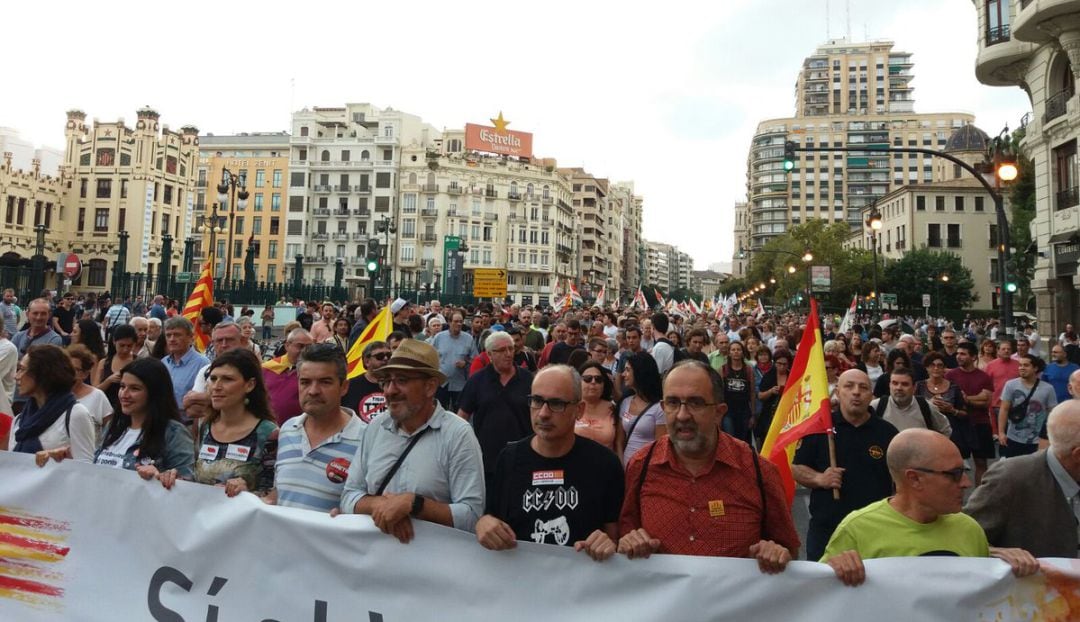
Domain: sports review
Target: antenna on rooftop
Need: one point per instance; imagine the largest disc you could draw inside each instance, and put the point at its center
(847, 15)
(828, 36)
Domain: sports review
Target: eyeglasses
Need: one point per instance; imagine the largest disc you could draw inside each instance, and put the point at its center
(937, 364)
(955, 475)
(380, 356)
(554, 404)
(696, 405)
(398, 380)
(599, 351)
(591, 379)
(502, 350)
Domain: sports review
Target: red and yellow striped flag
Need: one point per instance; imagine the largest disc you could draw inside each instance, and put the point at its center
(201, 297)
(804, 407)
(378, 330)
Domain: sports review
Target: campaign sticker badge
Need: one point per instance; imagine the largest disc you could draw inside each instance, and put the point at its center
(716, 508)
(547, 478)
(372, 406)
(337, 470)
(237, 452)
(208, 452)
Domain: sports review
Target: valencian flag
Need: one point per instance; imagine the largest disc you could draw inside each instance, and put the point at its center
(599, 303)
(201, 297)
(378, 330)
(804, 406)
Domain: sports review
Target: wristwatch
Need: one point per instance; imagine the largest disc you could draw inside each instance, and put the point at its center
(417, 505)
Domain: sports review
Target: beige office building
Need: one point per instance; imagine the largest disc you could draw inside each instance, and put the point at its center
(595, 211)
(847, 94)
(510, 213)
(29, 199)
(127, 184)
(1036, 46)
(739, 259)
(633, 247)
(261, 160)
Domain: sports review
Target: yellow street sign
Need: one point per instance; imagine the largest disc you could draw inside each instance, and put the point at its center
(489, 283)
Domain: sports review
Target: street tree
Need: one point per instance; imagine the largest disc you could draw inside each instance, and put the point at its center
(920, 272)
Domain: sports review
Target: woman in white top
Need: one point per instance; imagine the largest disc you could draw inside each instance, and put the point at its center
(247, 335)
(94, 399)
(642, 419)
(51, 416)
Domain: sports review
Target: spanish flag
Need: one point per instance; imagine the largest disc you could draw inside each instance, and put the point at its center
(377, 330)
(201, 297)
(804, 406)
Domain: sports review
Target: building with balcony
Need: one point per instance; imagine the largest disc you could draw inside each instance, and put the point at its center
(1035, 45)
(135, 184)
(707, 282)
(633, 247)
(262, 161)
(595, 209)
(847, 94)
(739, 261)
(28, 199)
(667, 267)
(510, 213)
(343, 180)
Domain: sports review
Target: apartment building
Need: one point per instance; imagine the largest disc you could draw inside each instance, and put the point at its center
(30, 199)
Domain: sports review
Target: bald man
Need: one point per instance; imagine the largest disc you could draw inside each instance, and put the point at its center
(860, 474)
(1074, 385)
(922, 519)
(1033, 502)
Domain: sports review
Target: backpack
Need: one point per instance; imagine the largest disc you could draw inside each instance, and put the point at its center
(924, 408)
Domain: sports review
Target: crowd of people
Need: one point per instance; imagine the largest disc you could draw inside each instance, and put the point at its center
(614, 432)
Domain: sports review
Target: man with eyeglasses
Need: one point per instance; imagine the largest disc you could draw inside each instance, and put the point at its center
(1033, 502)
(365, 394)
(560, 352)
(598, 349)
(949, 348)
(923, 518)
(861, 475)
(496, 400)
(442, 480)
(554, 487)
(699, 491)
(456, 352)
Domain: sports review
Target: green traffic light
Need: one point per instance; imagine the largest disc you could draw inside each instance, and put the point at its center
(1010, 287)
(789, 165)
(372, 266)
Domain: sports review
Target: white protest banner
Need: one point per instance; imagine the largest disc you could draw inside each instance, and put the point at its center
(83, 542)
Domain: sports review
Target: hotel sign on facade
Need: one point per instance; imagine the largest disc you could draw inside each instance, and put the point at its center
(498, 139)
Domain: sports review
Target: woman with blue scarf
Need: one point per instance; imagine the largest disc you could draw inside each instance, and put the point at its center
(51, 417)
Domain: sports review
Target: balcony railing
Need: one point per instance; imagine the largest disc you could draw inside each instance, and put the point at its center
(1067, 198)
(341, 236)
(321, 211)
(996, 35)
(454, 189)
(514, 196)
(362, 212)
(359, 237)
(491, 193)
(320, 237)
(361, 188)
(341, 212)
(341, 188)
(429, 212)
(428, 237)
(933, 242)
(1056, 105)
(321, 188)
(431, 187)
(953, 242)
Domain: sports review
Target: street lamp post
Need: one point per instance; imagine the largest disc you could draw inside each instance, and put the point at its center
(873, 221)
(213, 228)
(942, 279)
(228, 194)
(386, 226)
(806, 258)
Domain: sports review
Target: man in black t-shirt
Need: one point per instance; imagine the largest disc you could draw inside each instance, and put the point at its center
(63, 317)
(861, 474)
(560, 352)
(365, 395)
(554, 487)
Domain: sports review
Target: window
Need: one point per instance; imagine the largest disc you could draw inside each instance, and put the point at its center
(933, 235)
(1064, 175)
(271, 274)
(978, 204)
(101, 220)
(387, 155)
(104, 188)
(260, 177)
(277, 178)
(82, 187)
(954, 235)
(302, 155)
(275, 202)
(96, 276)
(997, 21)
(487, 256)
(258, 203)
(345, 155)
(408, 252)
(123, 189)
(325, 155)
(382, 180)
(256, 225)
(959, 203)
(238, 250)
(82, 215)
(275, 224)
(303, 130)
(408, 228)
(296, 180)
(296, 227)
(382, 204)
(939, 203)
(993, 237)
(408, 203)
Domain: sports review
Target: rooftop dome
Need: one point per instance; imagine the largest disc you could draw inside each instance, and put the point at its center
(967, 138)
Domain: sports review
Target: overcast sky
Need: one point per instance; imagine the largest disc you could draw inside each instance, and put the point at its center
(664, 94)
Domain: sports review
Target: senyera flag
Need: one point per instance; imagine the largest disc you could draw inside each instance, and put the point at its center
(804, 406)
(201, 297)
(378, 330)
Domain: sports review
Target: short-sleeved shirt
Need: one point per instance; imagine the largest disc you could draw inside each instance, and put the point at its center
(878, 530)
(183, 373)
(313, 478)
(250, 457)
(860, 451)
(1000, 372)
(556, 500)
(124, 453)
(1039, 406)
(65, 318)
(283, 387)
(445, 465)
(499, 413)
(645, 430)
(1058, 377)
(972, 383)
(451, 350)
(717, 513)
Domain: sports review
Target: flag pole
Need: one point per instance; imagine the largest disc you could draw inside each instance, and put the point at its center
(832, 461)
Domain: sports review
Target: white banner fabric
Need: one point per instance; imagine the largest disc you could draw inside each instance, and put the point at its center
(84, 542)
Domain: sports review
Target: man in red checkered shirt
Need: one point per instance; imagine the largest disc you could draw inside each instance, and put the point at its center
(704, 492)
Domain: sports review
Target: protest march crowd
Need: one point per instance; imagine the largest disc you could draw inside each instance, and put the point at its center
(613, 431)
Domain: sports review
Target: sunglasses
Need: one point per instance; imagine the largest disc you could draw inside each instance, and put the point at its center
(380, 356)
(591, 379)
(955, 475)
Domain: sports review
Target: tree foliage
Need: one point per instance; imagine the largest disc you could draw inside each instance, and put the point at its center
(1022, 202)
(919, 272)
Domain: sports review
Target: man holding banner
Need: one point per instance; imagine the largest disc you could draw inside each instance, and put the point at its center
(699, 491)
(860, 475)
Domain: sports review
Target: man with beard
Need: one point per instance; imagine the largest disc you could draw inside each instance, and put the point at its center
(699, 491)
(444, 481)
(365, 394)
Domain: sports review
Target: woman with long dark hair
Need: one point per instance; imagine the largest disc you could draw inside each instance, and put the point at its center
(642, 418)
(739, 393)
(88, 333)
(237, 441)
(52, 417)
(340, 338)
(107, 372)
(769, 392)
(600, 419)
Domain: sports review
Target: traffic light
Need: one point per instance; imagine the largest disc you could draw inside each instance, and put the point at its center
(1010, 287)
(789, 156)
(1011, 268)
(373, 259)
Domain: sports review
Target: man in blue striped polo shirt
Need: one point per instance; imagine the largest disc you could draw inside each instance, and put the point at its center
(316, 448)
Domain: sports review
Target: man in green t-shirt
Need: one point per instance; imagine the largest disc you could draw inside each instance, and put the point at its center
(923, 518)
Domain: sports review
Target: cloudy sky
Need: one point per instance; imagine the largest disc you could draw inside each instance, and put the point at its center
(664, 94)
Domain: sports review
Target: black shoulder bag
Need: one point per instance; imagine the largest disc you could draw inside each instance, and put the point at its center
(401, 458)
(1018, 412)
